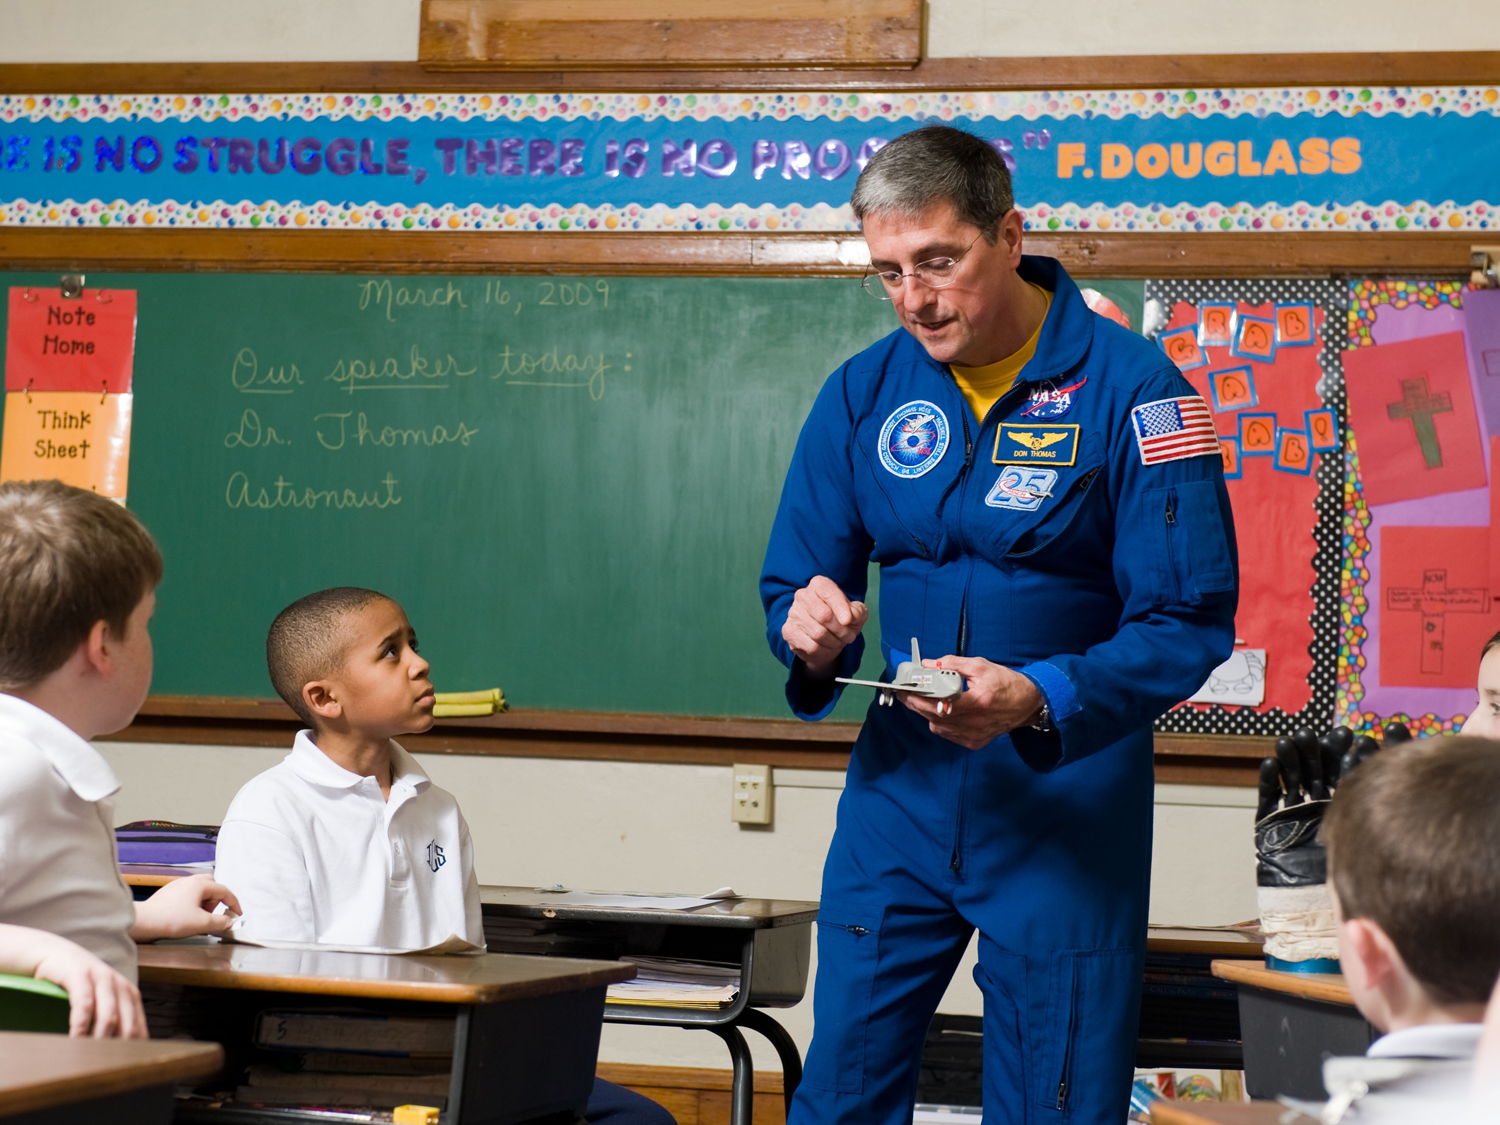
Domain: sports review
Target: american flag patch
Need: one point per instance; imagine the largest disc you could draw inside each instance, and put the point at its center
(1173, 428)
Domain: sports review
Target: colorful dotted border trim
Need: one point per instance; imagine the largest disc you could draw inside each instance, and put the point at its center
(1365, 297)
(378, 215)
(1322, 101)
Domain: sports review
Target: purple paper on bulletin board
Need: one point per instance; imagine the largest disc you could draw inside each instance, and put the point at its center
(1482, 333)
(1470, 508)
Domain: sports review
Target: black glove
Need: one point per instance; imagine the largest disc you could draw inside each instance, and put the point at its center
(1286, 825)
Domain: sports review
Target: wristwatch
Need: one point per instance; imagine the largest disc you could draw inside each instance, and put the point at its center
(1043, 720)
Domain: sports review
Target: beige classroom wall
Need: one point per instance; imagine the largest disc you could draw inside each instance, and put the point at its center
(298, 31)
(655, 827)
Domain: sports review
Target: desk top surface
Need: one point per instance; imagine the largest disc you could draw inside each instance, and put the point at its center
(735, 913)
(154, 874)
(1217, 943)
(43, 1071)
(1226, 1113)
(1329, 987)
(481, 978)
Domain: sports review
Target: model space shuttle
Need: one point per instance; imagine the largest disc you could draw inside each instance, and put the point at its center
(911, 677)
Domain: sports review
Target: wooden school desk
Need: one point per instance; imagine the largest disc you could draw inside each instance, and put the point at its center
(770, 939)
(1291, 1022)
(62, 1081)
(526, 1029)
(1188, 1017)
(1227, 1113)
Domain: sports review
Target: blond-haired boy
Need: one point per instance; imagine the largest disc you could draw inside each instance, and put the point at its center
(78, 577)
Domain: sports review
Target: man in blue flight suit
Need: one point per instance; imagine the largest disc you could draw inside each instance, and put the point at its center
(1064, 537)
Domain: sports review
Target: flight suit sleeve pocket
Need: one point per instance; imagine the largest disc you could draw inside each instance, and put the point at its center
(1189, 550)
(848, 959)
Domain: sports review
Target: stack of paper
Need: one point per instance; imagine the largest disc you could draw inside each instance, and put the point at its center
(269, 1085)
(349, 1058)
(460, 704)
(667, 982)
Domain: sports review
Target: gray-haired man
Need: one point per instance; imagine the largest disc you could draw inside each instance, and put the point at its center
(1044, 494)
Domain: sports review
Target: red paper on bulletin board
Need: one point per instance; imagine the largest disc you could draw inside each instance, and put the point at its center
(84, 344)
(1436, 607)
(1274, 507)
(1411, 408)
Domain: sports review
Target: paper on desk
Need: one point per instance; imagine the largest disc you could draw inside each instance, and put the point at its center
(637, 901)
(450, 944)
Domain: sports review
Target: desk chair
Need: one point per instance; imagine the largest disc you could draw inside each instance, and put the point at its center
(28, 1004)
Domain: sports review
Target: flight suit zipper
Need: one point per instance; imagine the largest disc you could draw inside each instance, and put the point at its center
(961, 645)
(1171, 519)
(955, 861)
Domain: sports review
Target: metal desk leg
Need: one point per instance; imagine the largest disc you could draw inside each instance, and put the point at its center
(742, 1093)
(791, 1059)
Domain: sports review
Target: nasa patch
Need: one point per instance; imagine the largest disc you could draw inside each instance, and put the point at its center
(913, 439)
(1021, 489)
(1052, 401)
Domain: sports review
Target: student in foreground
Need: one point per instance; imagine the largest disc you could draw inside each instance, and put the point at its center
(347, 842)
(1413, 838)
(78, 577)
(101, 1002)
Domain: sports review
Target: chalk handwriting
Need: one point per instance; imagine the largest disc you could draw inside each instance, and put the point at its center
(384, 375)
(283, 493)
(496, 294)
(252, 435)
(335, 433)
(585, 370)
(387, 297)
(578, 293)
(249, 379)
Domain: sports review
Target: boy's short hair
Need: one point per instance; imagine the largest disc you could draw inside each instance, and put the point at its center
(1489, 644)
(307, 641)
(1413, 841)
(68, 558)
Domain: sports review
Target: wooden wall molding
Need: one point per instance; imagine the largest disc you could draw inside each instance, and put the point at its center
(607, 736)
(1413, 68)
(498, 35)
(1305, 254)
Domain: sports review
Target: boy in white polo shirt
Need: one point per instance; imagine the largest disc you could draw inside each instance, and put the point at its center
(346, 842)
(78, 575)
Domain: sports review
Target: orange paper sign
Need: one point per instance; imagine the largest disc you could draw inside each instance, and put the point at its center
(54, 343)
(74, 438)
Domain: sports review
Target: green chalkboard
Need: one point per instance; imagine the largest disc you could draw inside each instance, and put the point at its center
(567, 482)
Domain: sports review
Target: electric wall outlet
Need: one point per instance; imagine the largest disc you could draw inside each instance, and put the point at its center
(751, 799)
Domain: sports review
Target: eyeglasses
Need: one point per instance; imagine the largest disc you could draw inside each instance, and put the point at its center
(934, 273)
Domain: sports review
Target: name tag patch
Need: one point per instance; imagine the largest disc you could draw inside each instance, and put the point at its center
(913, 439)
(1036, 443)
(1021, 489)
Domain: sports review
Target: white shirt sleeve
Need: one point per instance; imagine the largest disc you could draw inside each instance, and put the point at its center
(264, 868)
(473, 916)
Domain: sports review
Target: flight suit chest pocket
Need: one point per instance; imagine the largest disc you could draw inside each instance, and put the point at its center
(848, 961)
(1190, 555)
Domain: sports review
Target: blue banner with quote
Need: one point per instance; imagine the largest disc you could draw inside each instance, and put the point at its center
(1414, 159)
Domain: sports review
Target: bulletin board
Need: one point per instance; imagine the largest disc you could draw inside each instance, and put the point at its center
(1355, 421)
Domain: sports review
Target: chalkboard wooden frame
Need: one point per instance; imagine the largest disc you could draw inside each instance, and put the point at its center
(607, 736)
(1309, 254)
